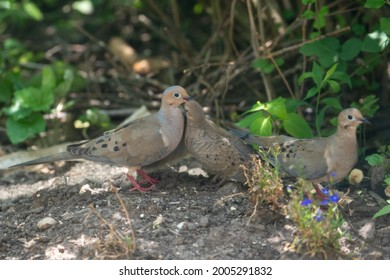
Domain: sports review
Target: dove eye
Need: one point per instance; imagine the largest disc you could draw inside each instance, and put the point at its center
(176, 95)
(350, 117)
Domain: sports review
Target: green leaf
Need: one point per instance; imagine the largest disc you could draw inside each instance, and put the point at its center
(332, 102)
(334, 86)
(248, 120)
(374, 4)
(263, 65)
(256, 107)
(48, 79)
(342, 77)
(304, 76)
(305, 2)
(296, 126)
(325, 49)
(385, 25)
(375, 42)
(35, 99)
(330, 72)
(64, 87)
(277, 108)
(32, 10)
(384, 211)
(387, 181)
(5, 91)
(20, 130)
(319, 21)
(375, 160)
(313, 91)
(261, 126)
(350, 49)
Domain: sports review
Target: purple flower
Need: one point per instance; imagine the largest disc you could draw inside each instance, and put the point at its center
(334, 198)
(325, 202)
(333, 174)
(318, 216)
(325, 191)
(306, 202)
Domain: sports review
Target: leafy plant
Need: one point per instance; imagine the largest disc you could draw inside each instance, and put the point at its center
(27, 101)
(318, 227)
(382, 159)
(264, 118)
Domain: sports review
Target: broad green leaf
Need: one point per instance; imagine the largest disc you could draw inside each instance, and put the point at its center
(261, 126)
(374, 4)
(20, 130)
(384, 211)
(48, 79)
(34, 99)
(296, 126)
(308, 14)
(32, 10)
(375, 159)
(385, 25)
(277, 108)
(248, 120)
(387, 181)
(325, 49)
(350, 49)
(375, 42)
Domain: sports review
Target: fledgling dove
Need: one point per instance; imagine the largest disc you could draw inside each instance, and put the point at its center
(219, 152)
(321, 159)
(138, 143)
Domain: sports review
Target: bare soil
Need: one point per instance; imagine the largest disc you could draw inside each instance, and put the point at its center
(186, 216)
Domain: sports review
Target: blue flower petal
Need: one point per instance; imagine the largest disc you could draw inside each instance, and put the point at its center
(306, 202)
(334, 198)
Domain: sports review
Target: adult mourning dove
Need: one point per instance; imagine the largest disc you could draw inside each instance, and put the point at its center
(219, 152)
(138, 143)
(321, 159)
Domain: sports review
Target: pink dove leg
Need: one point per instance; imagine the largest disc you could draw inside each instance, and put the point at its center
(319, 191)
(137, 186)
(147, 177)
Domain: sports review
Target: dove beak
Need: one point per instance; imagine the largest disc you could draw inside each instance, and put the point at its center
(363, 120)
(187, 98)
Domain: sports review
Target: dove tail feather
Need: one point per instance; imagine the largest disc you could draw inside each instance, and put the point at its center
(51, 158)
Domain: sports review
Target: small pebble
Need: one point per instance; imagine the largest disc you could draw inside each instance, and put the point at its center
(46, 223)
(85, 188)
(367, 231)
(204, 221)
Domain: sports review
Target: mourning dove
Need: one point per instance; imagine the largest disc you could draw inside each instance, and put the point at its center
(219, 152)
(138, 143)
(322, 159)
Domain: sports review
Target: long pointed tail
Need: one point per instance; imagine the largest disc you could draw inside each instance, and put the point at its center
(51, 158)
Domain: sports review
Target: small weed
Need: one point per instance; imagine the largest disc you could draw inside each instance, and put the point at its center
(318, 225)
(115, 245)
(264, 180)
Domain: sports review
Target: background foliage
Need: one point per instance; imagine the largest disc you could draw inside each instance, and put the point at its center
(290, 65)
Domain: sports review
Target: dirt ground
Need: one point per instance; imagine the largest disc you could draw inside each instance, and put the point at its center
(186, 216)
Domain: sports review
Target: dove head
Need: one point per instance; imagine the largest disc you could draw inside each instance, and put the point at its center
(174, 96)
(349, 119)
(195, 114)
